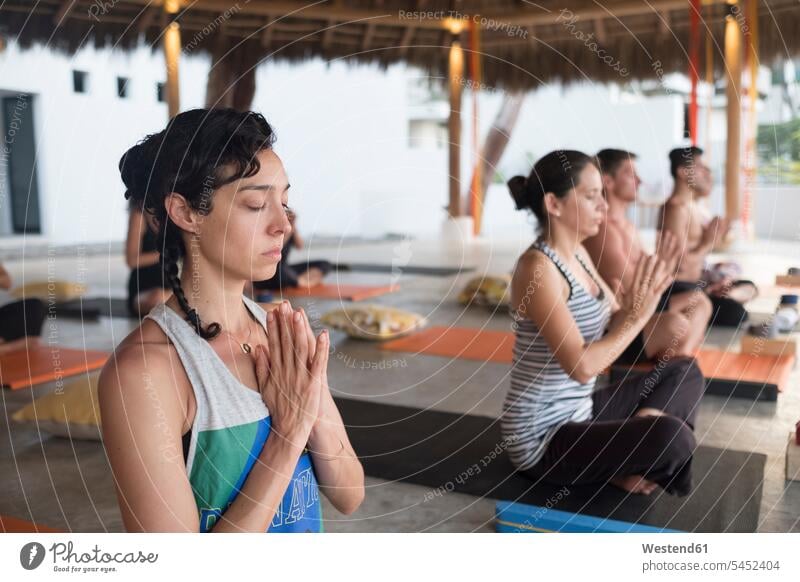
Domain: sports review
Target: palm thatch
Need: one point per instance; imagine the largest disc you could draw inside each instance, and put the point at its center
(524, 44)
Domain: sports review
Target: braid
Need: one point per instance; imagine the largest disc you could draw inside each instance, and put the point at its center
(171, 255)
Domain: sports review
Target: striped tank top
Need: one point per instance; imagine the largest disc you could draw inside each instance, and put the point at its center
(542, 396)
(230, 427)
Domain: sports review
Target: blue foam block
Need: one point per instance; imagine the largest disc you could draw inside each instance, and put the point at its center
(521, 518)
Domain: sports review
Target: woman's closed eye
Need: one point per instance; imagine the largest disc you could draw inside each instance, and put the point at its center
(262, 207)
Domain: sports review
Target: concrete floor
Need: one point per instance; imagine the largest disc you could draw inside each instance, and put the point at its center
(68, 484)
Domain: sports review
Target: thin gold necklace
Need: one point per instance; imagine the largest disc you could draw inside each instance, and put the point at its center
(246, 347)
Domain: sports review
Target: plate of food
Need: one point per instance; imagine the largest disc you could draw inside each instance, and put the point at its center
(374, 322)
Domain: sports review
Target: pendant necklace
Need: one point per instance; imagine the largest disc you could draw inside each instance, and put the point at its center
(246, 347)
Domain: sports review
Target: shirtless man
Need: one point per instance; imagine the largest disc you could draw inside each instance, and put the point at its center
(697, 234)
(678, 326)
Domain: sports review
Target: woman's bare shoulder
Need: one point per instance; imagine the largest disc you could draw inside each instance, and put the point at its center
(534, 264)
(145, 351)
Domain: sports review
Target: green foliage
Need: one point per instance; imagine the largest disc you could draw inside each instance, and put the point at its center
(779, 152)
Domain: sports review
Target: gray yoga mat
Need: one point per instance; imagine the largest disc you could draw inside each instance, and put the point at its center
(434, 449)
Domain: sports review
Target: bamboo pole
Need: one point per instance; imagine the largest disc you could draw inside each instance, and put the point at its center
(694, 65)
(476, 194)
(733, 66)
(456, 76)
(171, 42)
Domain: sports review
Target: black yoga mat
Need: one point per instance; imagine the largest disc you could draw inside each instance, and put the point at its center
(94, 307)
(449, 452)
(404, 269)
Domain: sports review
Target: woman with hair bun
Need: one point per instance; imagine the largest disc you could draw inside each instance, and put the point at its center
(637, 434)
(216, 414)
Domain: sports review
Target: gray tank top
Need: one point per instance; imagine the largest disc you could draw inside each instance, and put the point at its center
(230, 427)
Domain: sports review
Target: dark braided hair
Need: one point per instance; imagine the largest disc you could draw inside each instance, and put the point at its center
(198, 152)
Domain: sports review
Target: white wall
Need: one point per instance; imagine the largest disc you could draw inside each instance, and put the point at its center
(342, 133)
(80, 137)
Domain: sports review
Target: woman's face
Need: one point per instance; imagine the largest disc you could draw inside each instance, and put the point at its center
(584, 208)
(244, 232)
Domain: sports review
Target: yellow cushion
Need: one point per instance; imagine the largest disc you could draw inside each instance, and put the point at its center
(491, 291)
(72, 413)
(46, 290)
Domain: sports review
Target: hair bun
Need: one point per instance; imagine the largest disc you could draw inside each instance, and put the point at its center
(518, 185)
(130, 168)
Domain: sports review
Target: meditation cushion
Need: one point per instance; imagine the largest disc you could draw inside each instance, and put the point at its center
(56, 291)
(373, 322)
(489, 291)
(72, 413)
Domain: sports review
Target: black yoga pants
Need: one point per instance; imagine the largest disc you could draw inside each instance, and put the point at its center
(23, 318)
(287, 276)
(615, 443)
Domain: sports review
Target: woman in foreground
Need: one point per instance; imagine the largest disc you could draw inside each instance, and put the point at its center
(217, 415)
(570, 327)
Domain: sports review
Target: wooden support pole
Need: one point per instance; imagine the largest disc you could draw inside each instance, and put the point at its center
(694, 66)
(476, 194)
(171, 42)
(733, 67)
(456, 76)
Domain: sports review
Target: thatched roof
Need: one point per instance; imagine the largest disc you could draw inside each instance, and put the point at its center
(523, 43)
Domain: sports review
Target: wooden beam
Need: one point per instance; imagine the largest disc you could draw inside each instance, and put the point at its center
(664, 24)
(600, 30)
(146, 18)
(266, 34)
(456, 77)
(388, 17)
(596, 10)
(733, 68)
(220, 75)
(368, 37)
(327, 36)
(393, 17)
(64, 10)
(405, 42)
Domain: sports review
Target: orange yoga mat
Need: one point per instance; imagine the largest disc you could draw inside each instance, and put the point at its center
(760, 368)
(28, 367)
(457, 342)
(741, 375)
(343, 292)
(736, 367)
(16, 525)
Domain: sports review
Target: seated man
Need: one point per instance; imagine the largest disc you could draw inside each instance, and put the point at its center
(677, 328)
(684, 216)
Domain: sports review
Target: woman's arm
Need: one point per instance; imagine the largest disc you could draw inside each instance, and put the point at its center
(546, 306)
(142, 424)
(133, 256)
(339, 472)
